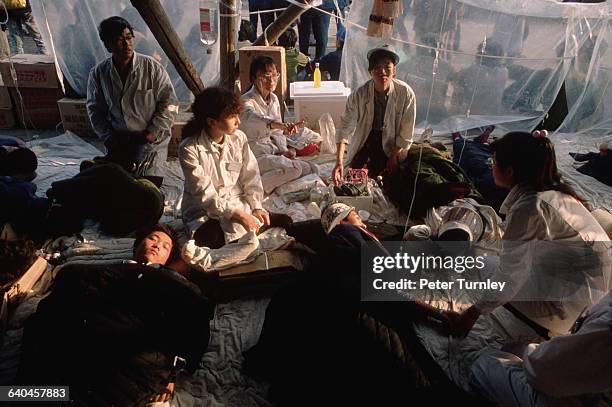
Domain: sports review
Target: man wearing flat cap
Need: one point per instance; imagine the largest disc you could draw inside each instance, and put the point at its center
(378, 122)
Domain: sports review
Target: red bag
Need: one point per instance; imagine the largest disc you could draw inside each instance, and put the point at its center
(309, 149)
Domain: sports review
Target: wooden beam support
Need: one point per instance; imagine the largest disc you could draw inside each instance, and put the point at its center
(227, 48)
(155, 16)
(282, 22)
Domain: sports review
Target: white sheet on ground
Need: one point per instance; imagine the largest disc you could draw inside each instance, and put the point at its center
(59, 158)
(597, 194)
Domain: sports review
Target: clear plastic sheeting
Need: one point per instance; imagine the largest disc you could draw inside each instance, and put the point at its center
(588, 86)
(72, 24)
(588, 124)
(477, 62)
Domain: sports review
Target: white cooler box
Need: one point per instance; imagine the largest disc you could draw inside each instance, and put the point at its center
(311, 103)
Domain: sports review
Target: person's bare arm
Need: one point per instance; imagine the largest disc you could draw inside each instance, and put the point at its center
(338, 171)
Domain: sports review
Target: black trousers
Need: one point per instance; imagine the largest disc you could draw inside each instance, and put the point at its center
(371, 156)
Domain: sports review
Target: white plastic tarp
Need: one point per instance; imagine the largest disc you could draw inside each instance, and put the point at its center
(477, 62)
(471, 62)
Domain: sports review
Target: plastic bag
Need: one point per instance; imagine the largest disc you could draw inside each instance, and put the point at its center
(303, 138)
(306, 182)
(328, 134)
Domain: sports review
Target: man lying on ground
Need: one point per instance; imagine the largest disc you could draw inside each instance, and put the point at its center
(115, 332)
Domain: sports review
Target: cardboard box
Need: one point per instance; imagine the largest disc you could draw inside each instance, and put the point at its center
(74, 116)
(45, 118)
(31, 71)
(177, 133)
(5, 98)
(247, 54)
(7, 119)
(39, 98)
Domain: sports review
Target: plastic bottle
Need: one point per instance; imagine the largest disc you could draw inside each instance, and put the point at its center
(317, 76)
(209, 12)
(316, 193)
(313, 210)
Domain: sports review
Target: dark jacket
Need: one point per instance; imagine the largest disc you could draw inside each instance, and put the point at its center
(111, 332)
(109, 194)
(436, 183)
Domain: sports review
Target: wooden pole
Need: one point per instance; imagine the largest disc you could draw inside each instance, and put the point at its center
(227, 47)
(282, 22)
(5, 50)
(155, 16)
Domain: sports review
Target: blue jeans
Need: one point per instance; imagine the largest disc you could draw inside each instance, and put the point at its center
(266, 18)
(318, 22)
(339, 17)
(21, 27)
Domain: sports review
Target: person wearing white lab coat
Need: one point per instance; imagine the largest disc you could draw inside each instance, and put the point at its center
(569, 370)
(223, 192)
(262, 123)
(555, 257)
(131, 102)
(378, 121)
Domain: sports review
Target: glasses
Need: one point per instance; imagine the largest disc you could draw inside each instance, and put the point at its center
(269, 77)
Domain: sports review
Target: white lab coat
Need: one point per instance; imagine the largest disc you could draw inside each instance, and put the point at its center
(268, 145)
(216, 184)
(552, 274)
(254, 123)
(570, 370)
(145, 102)
(358, 116)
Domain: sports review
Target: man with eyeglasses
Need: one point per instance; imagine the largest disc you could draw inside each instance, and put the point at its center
(131, 102)
(262, 123)
(378, 122)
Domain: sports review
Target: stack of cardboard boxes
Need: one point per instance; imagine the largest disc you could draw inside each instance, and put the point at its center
(75, 117)
(32, 83)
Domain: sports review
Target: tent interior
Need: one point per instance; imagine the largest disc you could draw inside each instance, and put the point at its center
(471, 64)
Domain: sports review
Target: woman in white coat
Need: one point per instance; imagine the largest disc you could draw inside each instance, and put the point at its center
(555, 257)
(378, 121)
(223, 192)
